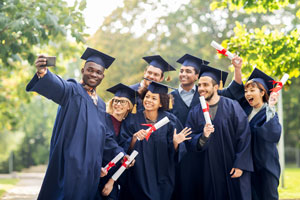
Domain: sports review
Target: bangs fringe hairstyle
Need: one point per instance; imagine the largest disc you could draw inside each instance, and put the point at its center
(260, 87)
(109, 107)
(164, 99)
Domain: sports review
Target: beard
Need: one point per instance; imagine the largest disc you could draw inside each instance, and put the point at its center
(210, 96)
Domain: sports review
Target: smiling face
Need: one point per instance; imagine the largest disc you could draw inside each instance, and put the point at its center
(255, 94)
(120, 105)
(154, 74)
(187, 75)
(92, 74)
(151, 101)
(207, 87)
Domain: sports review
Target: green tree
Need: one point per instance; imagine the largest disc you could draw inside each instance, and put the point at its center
(28, 28)
(129, 34)
(25, 24)
(273, 48)
(37, 128)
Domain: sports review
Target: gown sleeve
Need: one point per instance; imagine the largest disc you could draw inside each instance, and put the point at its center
(197, 131)
(269, 131)
(111, 147)
(126, 132)
(234, 91)
(52, 87)
(242, 139)
(270, 112)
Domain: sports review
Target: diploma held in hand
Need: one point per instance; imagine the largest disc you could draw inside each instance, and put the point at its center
(156, 126)
(124, 165)
(114, 161)
(205, 110)
(280, 84)
(223, 51)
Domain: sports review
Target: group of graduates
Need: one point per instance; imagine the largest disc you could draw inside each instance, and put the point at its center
(234, 157)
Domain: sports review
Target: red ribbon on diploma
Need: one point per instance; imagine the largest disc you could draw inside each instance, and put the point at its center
(124, 162)
(206, 109)
(278, 86)
(152, 129)
(222, 52)
(110, 165)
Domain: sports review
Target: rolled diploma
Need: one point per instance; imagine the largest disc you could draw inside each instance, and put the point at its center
(159, 124)
(220, 48)
(206, 114)
(284, 79)
(114, 160)
(122, 168)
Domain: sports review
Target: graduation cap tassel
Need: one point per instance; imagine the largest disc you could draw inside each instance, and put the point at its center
(170, 103)
(221, 82)
(134, 109)
(221, 85)
(134, 106)
(168, 77)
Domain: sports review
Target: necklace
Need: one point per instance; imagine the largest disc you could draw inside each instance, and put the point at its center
(149, 121)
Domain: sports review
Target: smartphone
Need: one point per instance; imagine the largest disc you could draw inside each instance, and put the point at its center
(51, 61)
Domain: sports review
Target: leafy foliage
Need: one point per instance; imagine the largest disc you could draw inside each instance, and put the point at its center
(275, 53)
(261, 6)
(25, 23)
(273, 48)
(28, 28)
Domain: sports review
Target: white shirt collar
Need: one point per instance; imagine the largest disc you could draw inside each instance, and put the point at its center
(180, 89)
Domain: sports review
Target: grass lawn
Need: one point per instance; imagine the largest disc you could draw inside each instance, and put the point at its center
(291, 188)
(6, 184)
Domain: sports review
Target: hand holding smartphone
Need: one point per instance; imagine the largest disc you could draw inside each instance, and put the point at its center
(51, 61)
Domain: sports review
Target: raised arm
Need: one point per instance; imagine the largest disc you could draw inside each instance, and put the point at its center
(48, 84)
(235, 90)
(237, 69)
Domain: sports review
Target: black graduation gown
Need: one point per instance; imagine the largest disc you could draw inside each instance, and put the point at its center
(228, 147)
(185, 188)
(153, 175)
(78, 139)
(180, 109)
(265, 136)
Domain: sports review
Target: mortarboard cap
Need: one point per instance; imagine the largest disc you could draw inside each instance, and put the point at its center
(216, 74)
(92, 55)
(262, 78)
(156, 87)
(121, 90)
(189, 60)
(160, 88)
(159, 62)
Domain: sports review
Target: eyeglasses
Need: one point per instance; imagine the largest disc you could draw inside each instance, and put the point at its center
(122, 102)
